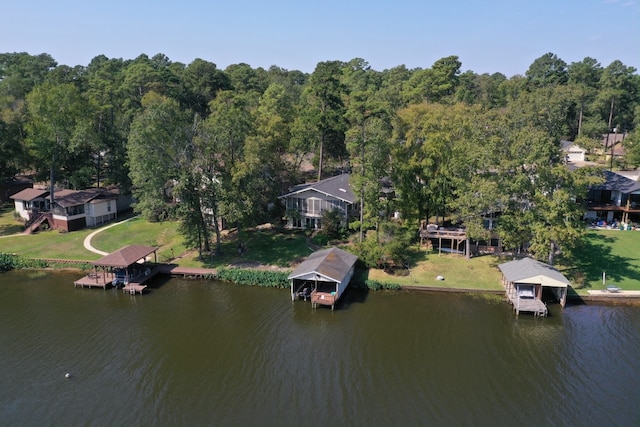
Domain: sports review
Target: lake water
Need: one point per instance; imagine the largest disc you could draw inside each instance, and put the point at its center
(194, 353)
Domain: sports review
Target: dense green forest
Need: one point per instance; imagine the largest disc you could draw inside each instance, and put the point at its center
(226, 143)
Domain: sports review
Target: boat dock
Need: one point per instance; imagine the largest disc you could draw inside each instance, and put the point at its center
(532, 305)
(102, 279)
(133, 276)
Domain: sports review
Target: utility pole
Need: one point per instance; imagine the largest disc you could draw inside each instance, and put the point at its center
(613, 144)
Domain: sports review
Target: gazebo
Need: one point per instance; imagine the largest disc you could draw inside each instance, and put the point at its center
(323, 276)
(121, 268)
(524, 280)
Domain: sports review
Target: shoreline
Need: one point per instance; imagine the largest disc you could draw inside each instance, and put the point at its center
(631, 298)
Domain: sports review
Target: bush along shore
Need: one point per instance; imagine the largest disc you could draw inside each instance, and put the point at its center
(240, 276)
(10, 262)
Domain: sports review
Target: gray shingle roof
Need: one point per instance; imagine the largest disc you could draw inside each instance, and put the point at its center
(616, 182)
(333, 263)
(337, 187)
(532, 271)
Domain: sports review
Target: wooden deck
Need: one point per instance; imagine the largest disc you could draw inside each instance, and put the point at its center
(136, 285)
(187, 272)
(323, 298)
(534, 305)
(95, 280)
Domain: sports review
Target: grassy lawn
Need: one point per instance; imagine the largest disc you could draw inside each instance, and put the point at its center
(8, 223)
(615, 252)
(458, 272)
(267, 247)
(49, 244)
(137, 231)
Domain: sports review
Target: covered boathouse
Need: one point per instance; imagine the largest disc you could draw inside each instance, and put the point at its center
(526, 279)
(125, 267)
(323, 276)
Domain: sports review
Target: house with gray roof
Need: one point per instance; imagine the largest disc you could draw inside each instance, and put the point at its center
(617, 199)
(306, 203)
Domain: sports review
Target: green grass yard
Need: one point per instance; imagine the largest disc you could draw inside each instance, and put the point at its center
(8, 222)
(458, 272)
(137, 231)
(612, 251)
(615, 252)
(49, 244)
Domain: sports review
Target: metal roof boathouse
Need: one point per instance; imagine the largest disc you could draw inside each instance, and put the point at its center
(323, 276)
(524, 280)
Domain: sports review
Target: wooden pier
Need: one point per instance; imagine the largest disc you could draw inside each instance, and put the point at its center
(527, 305)
(102, 279)
(135, 283)
(187, 272)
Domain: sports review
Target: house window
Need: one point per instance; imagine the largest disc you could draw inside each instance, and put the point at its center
(109, 206)
(75, 210)
(314, 207)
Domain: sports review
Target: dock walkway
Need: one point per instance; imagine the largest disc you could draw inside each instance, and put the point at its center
(136, 285)
(533, 305)
(102, 279)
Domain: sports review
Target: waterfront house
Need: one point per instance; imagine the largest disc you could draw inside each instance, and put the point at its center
(617, 199)
(75, 210)
(30, 201)
(70, 210)
(526, 280)
(323, 276)
(306, 203)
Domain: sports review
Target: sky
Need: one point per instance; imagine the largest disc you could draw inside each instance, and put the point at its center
(488, 36)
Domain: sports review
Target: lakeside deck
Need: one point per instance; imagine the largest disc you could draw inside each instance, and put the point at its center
(102, 279)
(137, 284)
(323, 298)
(527, 305)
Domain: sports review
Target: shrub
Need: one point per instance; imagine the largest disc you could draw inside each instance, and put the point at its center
(270, 279)
(376, 285)
(8, 262)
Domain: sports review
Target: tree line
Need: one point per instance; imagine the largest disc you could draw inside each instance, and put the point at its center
(199, 143)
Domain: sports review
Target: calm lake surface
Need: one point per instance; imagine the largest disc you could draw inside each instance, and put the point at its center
(207, 353)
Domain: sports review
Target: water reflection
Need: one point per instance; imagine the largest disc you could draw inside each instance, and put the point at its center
(209, 353)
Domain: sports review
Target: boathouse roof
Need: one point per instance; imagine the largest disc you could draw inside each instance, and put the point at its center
(330, 265)
(530, 271)
(125, 256)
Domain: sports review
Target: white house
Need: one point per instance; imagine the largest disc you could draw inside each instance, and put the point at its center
(306, 203)
(70, 210)
(30, 200)
(572, 152)
(75, 210)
